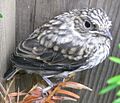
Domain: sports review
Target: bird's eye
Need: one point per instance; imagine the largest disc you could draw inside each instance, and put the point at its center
(87, 24)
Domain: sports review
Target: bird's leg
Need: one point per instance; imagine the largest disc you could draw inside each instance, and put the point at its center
(46, 90)
(50, 86)
(54, 87)
(66, 76)
(70, 77)
(52, 93)
(48, 81)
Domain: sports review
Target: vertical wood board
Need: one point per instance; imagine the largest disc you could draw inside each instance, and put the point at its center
(7, 33)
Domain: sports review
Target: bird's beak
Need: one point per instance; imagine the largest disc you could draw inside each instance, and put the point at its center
(107, 34)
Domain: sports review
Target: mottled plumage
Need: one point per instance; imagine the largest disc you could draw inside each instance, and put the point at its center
(73, 41)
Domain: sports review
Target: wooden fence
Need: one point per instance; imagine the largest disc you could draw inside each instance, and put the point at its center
(32, 13)
(7, 33)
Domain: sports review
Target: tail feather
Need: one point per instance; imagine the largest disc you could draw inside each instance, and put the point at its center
(10, 73)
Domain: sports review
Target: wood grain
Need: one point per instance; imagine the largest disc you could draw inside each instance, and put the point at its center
(7, 33)
(32, 13)
(25, 16)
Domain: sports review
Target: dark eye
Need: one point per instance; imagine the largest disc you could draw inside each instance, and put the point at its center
(87, 24)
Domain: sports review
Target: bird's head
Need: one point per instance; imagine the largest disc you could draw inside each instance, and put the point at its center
(93, 21)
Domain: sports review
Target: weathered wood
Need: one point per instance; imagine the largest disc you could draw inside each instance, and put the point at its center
(7, 33)
(25, 16)
(47, 9)
(32, 13)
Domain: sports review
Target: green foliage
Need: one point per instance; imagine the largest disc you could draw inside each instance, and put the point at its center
(119, 45)
(115, 59)
(108, 88)
(117, 100)
(1, 15)
(118, 93)
(113, 82)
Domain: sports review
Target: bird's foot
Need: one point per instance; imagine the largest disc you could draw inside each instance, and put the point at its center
(53, 89)
(52, 93)
(70, 77)
(48, 81)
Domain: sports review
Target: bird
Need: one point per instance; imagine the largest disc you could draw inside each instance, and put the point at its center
(71, 42)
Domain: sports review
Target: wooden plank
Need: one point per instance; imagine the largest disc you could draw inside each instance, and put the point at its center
(25, 10)
(47, 9)
(7, 33)
(25, 15)
(32, 13)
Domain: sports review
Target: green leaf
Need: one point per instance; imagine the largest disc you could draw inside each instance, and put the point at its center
(118, 83)
(1, 15)
(115, 59)
(116, 100)
(114, 79)
(108, 88)
(118, 45)
(118, 93)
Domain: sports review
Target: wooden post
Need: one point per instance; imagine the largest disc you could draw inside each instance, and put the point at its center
(7, 33)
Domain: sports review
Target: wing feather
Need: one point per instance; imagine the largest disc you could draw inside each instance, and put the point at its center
(51, 45)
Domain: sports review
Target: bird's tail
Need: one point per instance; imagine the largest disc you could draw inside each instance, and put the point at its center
(10, 73)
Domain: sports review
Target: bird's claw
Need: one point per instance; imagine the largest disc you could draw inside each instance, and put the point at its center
(69, 77)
